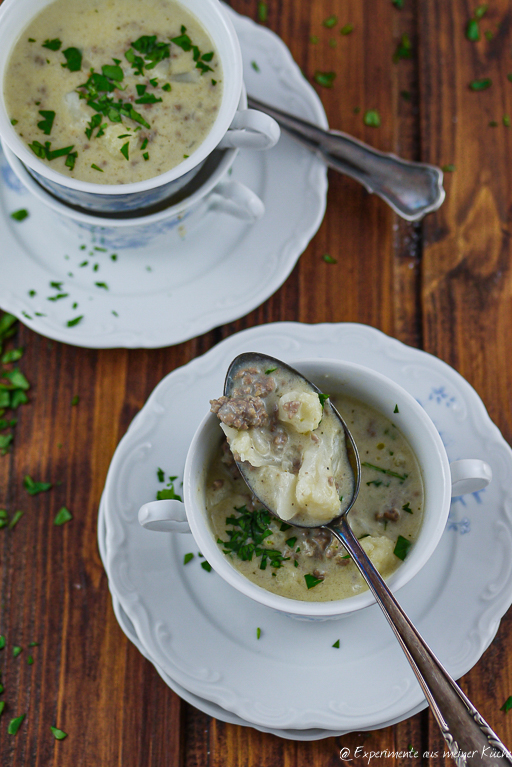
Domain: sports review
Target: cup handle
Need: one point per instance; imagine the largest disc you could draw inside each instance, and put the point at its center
(251, 129)
(469, 476)
(164, 517)
(236, 199)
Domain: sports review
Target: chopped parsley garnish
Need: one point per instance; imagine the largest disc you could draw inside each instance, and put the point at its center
(166, 87)
(125, 150)
(347, 29)
(376, 482)
(329, 259)
(396, 410)
(14, 122)
(390, 473)
(45, 153)
(250, 529)
(312, 580)
(402, 547)
(46, 123)
(52, 45)
(480, 85)
(371, 118)
(15, 724)
(184, 41)
(403, 49)
(262, 11)
(448, 168)
(291, 542)
(70, 160)
(330, 22)
(58, 734)
(144, 144)
(506, 121)
(398, 4)
(34, 488)
(154, 82)
(206, 566)
(337, 644)
(63, 516)
(255, 66)
(101, 285)
(323, 397)
(95, 167)
(146, 155)
(258, 633)
(30, 660)
(284, 526)
(73, 59)
(113, 71)
(2, 641)
(17, 514)
(325, 79)
(75, 321)
(20, 215)
(148, 98)
(406, 507)
(160, 474)
(269, 371)
(188, 558)
(481, 11)
(75, 400)
(473, 30)
(507, 705)
(2, 706)
(169, 493)
(16, 650)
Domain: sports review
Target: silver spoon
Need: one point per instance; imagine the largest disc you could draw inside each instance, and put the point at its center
(468, 736)
(412, 189)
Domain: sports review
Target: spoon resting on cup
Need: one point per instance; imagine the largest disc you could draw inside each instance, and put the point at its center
(469, 738)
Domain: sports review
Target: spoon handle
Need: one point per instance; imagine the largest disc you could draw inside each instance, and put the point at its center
(412, 189)
(469, 738)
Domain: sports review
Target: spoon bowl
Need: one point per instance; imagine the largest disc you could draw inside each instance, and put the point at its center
(241, 362)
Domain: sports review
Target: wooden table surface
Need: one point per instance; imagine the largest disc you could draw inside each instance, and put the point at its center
(444, 285)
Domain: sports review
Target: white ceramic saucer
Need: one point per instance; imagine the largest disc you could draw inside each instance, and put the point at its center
(202, 633)
(206, 706)
(172, 290)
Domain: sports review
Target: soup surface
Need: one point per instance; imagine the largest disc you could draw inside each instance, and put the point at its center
(308, 564)
(107, 94)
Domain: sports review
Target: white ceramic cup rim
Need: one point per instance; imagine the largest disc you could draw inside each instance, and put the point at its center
(437, 485)
(229, 104)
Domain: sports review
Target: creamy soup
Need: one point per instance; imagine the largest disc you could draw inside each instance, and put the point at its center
(309, 564)
(113, 91)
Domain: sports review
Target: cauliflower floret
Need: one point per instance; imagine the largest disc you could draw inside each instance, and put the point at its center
(301, 410)
(316, 490)
(251, 445)
(283, 486)
(380, 551)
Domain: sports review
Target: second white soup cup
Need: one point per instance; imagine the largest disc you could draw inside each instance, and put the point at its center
(441, 481)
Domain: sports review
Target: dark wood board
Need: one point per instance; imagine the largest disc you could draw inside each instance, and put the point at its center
(444, 285)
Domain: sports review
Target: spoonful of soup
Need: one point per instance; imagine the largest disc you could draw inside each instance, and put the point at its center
(299, 460)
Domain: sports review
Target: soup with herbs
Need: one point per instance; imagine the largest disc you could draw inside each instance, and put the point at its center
(105, 93)
(299, 563)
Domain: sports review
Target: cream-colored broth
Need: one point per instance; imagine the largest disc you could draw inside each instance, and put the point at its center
(103, 30)
(378, 515)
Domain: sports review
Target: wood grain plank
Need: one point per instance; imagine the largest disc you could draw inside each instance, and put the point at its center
(466, 272)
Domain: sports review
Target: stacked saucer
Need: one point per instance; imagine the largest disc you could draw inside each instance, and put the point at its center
(288, 679)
